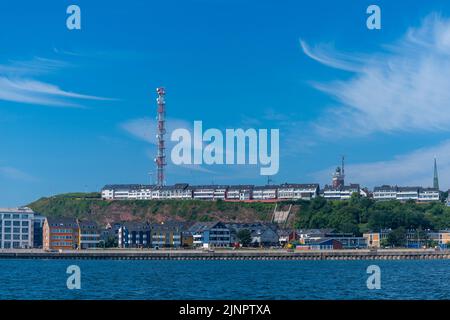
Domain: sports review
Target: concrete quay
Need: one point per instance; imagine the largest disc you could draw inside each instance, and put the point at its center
(228, 254)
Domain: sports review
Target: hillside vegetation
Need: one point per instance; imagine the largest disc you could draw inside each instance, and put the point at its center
(359, 215)
(90, 206)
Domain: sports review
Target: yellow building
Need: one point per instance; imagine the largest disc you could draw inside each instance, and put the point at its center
(374, 239)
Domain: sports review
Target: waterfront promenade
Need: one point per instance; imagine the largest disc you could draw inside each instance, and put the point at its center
(228, 254)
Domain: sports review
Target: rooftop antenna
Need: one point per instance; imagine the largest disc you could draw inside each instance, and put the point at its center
(161, 154)
(343, 159)
(151, 177)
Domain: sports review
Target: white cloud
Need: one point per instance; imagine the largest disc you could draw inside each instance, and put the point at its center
(18, 84)
(402, 89)
(15, 174)
(145, 128)
(412, 169)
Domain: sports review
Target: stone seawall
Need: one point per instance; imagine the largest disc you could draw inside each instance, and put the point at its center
(222, 254)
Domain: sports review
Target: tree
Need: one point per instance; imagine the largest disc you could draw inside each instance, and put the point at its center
(111, 242)
(397, 237)
(245, 237)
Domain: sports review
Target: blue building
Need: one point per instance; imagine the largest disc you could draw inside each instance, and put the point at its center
(210, 234)
(134, 235)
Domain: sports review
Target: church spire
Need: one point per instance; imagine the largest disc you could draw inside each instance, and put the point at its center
(435, 178)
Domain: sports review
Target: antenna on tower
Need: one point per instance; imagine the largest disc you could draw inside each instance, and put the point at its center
(161, 154)
(343, 159)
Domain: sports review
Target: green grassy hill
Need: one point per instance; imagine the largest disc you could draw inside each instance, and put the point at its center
(91, 206)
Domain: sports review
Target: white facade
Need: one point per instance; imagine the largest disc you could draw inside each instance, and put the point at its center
(209, 192)
(239, 193)
(127, 192)
(265, 193)
(342, 193)
(418, 194)
(408, 193)
(298, 191)
(429, 195)
(203, 193)
(176, 192)
(16, 228)
(385, 193)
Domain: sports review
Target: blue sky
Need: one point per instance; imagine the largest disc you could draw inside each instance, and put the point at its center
(77, 107)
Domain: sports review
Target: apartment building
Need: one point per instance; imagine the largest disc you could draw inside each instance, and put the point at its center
(443, 238)
(385, 192)
(210, 234)
(183, 191)
(178, 191)
(134, 235)
(240, 192)
(341, 192)
(60, 234)
(209, 192)
(374, 239)
(407, 193)
(127, 192)
(269, 192)
(167, 234)
(16, 228)
(429, 195)
(89, 235)
(38, 229)
(418, 194)
(293, 191)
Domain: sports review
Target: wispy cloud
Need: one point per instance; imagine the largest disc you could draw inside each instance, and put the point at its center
(414, 168)
(16, 174)
(18, 83)
(145, 128)
(402, 88)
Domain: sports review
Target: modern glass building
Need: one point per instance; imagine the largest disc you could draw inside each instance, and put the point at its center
(16, 228)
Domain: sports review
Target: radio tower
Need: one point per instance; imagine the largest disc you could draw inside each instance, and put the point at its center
(161, 155)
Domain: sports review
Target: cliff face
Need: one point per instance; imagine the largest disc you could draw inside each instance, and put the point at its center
(90, 206)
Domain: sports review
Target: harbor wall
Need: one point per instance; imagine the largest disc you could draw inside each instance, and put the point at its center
(405, 254)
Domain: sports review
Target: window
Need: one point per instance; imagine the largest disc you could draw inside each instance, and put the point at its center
(7, 222)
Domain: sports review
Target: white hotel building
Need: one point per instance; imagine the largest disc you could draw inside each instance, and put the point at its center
(16, 228)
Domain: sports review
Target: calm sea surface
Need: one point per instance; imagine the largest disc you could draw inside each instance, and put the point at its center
(111, 279)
